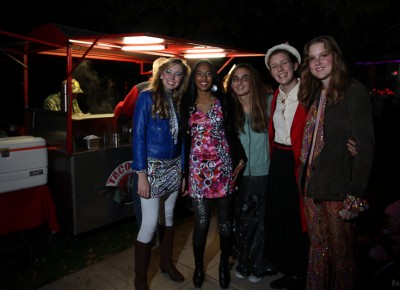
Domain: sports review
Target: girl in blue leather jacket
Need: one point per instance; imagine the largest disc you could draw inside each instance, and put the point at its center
(157, 149)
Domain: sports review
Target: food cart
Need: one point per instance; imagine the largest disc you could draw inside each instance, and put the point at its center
(85, 175)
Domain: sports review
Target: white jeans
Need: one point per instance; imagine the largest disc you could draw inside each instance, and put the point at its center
(154, 211)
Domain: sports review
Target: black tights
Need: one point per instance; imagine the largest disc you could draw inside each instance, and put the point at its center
(202, 213)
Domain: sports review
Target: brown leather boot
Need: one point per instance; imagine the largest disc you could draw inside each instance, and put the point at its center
(166, 265)
(142, 262)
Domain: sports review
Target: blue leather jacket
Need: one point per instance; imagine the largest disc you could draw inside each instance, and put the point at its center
(151, 137)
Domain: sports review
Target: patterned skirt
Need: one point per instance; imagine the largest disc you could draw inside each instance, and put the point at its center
(164, 176)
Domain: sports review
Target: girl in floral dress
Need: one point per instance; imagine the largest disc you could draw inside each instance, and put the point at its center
(213, 157)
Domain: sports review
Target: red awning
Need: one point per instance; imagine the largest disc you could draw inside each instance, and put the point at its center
(53, 39)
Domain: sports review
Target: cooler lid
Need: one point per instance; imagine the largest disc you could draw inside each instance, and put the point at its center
(17, 142)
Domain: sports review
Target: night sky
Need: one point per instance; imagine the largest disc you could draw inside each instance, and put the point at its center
(363, 28)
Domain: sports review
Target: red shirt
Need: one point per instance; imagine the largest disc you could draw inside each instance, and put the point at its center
(124, 109)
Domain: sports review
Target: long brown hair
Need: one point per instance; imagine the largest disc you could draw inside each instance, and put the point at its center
(340, 77)
(258, 101)
(156, 86)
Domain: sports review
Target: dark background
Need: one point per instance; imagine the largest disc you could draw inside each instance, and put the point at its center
(366, 30)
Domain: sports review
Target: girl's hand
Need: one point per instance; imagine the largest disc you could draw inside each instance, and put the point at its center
(351, 146)
(240, 167)
(143, 185)
(347, 214)
(184, 192)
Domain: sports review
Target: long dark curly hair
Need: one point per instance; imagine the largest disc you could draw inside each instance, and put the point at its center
(189, 98)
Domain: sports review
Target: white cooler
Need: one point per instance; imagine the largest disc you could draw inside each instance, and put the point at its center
(23, 162)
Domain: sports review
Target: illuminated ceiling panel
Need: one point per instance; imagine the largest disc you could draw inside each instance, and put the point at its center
(54, 39)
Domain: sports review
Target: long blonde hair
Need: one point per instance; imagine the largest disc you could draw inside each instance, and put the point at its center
(158, 90)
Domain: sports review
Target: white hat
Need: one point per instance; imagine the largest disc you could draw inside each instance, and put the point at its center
(283, 46)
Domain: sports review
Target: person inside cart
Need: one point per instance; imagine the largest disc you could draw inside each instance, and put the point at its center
(53, 102)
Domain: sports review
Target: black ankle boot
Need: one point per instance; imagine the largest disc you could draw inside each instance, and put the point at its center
(226, 250)
(224, 276)
(199, 245)
(198, 276)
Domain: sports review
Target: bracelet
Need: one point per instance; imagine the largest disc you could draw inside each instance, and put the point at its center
(242, 163)
(354, 204)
